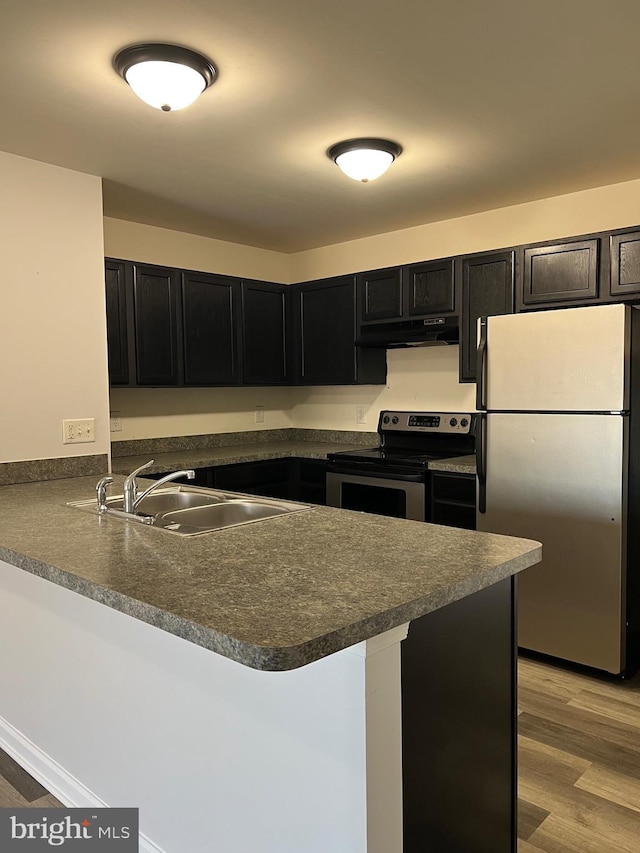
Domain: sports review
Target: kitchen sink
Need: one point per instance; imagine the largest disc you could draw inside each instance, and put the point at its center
(170, 499)
(191, 510)
(229, 513)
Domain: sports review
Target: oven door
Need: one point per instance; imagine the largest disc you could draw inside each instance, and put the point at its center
(400, 497)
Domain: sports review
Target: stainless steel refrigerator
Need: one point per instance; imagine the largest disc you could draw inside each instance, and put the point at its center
(558, 449)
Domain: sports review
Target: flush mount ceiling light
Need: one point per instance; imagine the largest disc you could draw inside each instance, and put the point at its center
(165, 76)
(364, 159)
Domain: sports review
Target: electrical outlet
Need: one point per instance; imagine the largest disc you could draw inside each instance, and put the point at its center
(259, 414)
(78, 431)
(361, 414)
(116, 422)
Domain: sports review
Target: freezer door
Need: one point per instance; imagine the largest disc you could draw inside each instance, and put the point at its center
(560, 479)
(569, 360)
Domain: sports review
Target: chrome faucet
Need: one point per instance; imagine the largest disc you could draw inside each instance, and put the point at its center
(101, 493)
(130, 489)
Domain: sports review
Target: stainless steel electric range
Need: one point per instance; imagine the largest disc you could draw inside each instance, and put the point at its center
(393, 478)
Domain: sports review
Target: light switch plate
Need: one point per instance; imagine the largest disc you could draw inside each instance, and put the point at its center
(79, 431)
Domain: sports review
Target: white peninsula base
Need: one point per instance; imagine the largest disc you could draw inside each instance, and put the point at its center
(106, 710)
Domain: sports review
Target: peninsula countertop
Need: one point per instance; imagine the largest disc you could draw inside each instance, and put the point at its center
(273, 595)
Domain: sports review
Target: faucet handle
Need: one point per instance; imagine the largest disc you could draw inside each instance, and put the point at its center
(101, 493)
(135, 473)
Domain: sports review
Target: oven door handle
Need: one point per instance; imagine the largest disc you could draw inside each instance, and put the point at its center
(357, 475)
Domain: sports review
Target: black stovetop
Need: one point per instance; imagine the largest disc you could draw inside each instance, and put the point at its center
(389, 455)
(413, 439)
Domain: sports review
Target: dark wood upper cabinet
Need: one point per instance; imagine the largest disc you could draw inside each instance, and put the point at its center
(264, 333)
(380, 295)
(560, 273)
(155, 297)
(625, 264)
(210, 309)
(117, 326)
(428, 288)
(406, 293)
(487, 285)
(324, 318)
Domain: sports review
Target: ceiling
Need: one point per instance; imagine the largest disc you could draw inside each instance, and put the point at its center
(494, 102)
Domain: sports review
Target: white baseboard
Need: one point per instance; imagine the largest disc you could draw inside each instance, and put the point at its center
(65, 787)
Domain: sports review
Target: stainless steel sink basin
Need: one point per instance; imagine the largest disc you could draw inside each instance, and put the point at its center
(229, 513)
(172, 498)
(191, 510)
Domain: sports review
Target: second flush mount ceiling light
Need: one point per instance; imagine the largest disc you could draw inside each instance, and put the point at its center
(364, 159)
(165, 76)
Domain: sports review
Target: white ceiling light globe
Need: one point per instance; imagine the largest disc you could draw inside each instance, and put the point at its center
(166, 86)
(365, 164)
(165, 76)
(364, 159)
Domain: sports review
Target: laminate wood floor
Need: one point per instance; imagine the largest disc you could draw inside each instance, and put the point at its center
(579, 761)
(579, 764)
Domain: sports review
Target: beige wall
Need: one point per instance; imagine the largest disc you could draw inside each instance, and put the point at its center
(53, 355)
(163, 412)
(600, 209)
(133, 241)
(421, 378)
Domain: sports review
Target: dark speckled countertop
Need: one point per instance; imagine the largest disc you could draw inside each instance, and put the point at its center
(205, 457)
(273, 595)
(455, 465)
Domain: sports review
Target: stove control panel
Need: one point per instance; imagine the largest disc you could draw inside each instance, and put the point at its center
(439, 422)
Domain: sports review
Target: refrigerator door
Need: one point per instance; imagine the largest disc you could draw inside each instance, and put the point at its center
(561, 479)
(568, 360)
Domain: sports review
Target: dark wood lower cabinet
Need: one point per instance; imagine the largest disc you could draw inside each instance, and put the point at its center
(288, 478)
(453, 499)
(459, 723)
(269, 478)
(309, 480)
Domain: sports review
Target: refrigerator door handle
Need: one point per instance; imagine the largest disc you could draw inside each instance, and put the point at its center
(481, 462)
(481, 371)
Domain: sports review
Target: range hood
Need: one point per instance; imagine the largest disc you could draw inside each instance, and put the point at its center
(411, 333)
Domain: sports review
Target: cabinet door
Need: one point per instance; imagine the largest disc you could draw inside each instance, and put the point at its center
(326, 312)
(487, 290)
(308, 480)
(560, 273)
(428, 288)
(210, 329)
(155, 291)
(270, 478)
(625, 264)
(264, 334)
(117, 328)
(380, 295)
